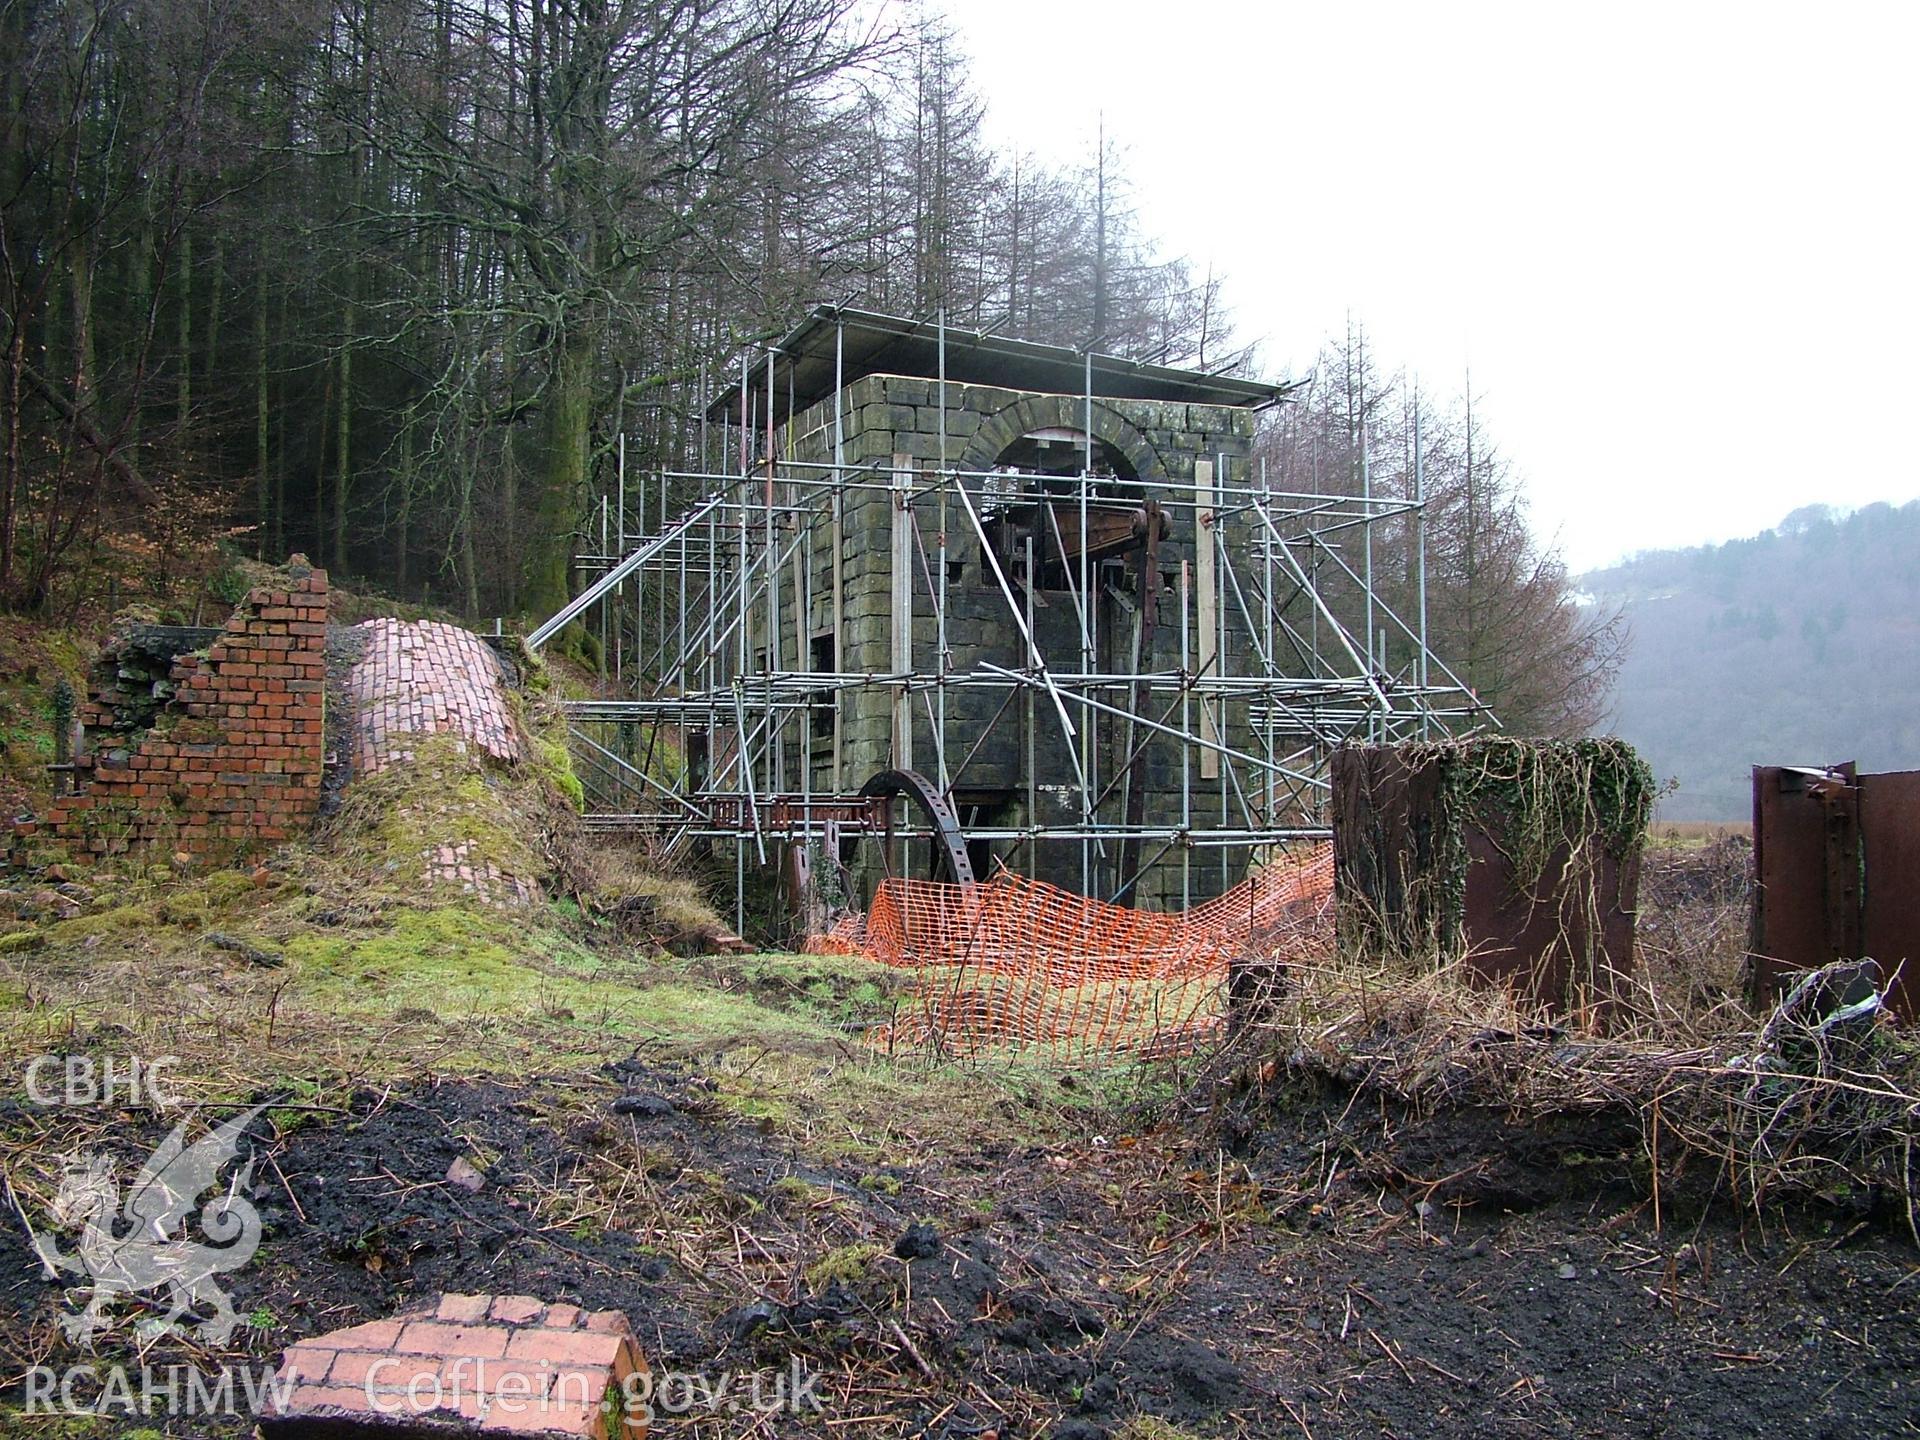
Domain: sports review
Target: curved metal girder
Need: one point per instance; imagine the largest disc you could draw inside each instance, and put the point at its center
(939, 817)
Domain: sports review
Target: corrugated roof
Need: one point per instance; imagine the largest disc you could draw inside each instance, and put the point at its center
(874, 344)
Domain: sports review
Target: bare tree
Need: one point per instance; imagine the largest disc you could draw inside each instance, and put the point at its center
(1502, 613)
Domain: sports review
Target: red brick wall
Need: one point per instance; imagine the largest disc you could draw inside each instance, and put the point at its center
(232, 765)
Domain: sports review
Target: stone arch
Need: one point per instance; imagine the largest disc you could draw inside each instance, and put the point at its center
(1028, 413)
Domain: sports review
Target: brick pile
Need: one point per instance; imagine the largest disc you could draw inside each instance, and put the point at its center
(501, 1366)
(429, 678)
(233, 760)
(461, 863)
(426, 678)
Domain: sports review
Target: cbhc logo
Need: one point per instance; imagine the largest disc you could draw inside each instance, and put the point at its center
(82, 1080)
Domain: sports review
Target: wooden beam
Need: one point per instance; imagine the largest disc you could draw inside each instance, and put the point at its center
(1206, 593)
(901, 580)
(1146, 623)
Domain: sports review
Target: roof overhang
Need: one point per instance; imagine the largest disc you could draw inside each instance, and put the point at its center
(836, 342)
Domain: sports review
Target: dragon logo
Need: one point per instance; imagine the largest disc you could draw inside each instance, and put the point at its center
(152, 1251)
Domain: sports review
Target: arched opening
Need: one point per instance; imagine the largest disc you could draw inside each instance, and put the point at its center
(1060, 453)
(1032, 496)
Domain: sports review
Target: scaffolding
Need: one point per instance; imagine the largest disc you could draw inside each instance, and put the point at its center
(722, 625)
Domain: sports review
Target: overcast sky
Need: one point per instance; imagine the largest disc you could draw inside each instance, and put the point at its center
(1676, 243)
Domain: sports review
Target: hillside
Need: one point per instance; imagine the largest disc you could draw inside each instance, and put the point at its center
(1800, 645)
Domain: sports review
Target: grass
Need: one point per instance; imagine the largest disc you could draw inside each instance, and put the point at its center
(848, 1265)
(1151, 1427)
(391, 822)
(388, 976)
(391, 975)
(481, 990)
(378, 989)
(388, 979)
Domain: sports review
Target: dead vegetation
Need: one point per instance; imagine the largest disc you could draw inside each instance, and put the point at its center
(1695, 909)
(645, 897)
(968, 1244)
(1678, 1093)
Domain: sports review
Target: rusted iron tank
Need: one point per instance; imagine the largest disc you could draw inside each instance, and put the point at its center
(1837, 877)
(1517, 858)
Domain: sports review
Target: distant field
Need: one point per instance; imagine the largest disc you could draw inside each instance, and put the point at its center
(1697, 832)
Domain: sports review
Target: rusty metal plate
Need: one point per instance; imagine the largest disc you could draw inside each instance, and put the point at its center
(1541, 943)
(1890, 840)
(791, 811)
(1791, 929)
(787, 813)
(1837, 870)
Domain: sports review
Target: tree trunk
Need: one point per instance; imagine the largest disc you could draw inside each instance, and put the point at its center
(262, 451)
(9, 507)
(469, 581)
(140, 307)
(320, 471)
(280, 460)
(561, 475)
(1100, 236)
(183, 338)
(402, 523)
(80, 296)
(343, 435)
(214, 288)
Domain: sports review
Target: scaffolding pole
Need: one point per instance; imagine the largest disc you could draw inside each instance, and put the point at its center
(1256, 704)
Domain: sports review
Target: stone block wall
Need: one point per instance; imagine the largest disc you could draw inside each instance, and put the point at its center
(232, 762)
(887, 415)
(882, 416)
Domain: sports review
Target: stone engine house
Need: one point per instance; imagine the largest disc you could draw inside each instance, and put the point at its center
(1041, 602)
(1020, 450)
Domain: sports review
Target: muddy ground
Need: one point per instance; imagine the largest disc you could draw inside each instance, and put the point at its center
(1060, 1290)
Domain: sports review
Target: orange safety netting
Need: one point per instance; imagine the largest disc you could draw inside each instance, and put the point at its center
(1021, 963)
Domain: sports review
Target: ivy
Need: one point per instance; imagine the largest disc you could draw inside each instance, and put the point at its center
(1549, 807)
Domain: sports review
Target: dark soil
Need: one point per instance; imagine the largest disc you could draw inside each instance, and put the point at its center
(1059, 1291)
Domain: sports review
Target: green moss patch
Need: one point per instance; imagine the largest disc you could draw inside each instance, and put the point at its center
(390, 823)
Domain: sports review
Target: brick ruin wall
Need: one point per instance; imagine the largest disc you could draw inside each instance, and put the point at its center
(231, 764)
(218, 754)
